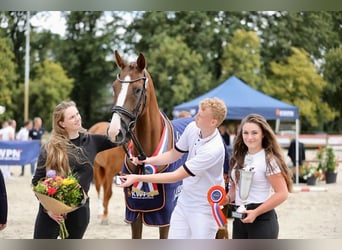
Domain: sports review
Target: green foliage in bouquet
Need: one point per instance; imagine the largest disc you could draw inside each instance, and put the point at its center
(65, 189)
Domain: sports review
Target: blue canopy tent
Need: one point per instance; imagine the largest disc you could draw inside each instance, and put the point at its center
(242, 100)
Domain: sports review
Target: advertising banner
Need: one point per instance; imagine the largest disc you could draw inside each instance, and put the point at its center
(19, 152)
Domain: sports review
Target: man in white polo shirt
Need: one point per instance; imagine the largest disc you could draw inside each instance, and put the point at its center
(192, 217)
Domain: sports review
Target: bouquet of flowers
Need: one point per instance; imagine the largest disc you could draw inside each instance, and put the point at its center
(61, 195)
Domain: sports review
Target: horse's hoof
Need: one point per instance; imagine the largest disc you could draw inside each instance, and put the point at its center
(104, 222)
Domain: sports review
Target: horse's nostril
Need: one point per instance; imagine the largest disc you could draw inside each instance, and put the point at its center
(121, 137)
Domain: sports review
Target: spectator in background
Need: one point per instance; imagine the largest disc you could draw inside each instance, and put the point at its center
(36, 133)
(3, 203)
(7, 131)
(184, 114)
(225, 135)
(292, 154)
(23, 135)
(4, 125)
(13, 125)
(7, 134)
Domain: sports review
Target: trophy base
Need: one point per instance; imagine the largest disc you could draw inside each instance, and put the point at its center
(238, 215)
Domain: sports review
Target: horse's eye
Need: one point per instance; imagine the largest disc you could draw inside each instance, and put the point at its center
(137, 91)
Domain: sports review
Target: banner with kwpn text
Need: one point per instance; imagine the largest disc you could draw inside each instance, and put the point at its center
(19, 152)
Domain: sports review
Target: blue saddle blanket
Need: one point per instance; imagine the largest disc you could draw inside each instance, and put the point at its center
(156, 202)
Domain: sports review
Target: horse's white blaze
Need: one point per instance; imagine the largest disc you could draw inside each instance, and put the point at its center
(114, 127)
(115, 124)
(123, 92)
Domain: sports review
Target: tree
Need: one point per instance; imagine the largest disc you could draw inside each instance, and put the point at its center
(15, 31)
(204, 32)
(14, 23)
(332, 71)
(49, 86)
(241, 57)
(85, 54)
(313, 31)
(177, 71)
(297, 82)
(7, 77)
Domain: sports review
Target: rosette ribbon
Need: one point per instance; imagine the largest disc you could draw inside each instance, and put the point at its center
(215, 197)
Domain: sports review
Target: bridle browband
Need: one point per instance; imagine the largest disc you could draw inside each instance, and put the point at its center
(130, 81)
(133, 116)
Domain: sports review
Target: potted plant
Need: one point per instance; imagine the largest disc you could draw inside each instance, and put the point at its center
(328, 163)
(310, 173)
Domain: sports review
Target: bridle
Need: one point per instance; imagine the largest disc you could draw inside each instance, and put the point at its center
(132, 116)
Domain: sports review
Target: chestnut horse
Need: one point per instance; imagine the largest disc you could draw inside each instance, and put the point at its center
(138, 122)
(107, 164)
(137, 119)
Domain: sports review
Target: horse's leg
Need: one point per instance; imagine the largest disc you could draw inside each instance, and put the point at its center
(136, 227)
(164, 232)
(222, 233)
(98, 179)
(107, 194)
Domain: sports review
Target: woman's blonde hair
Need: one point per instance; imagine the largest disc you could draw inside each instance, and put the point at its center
(59, 148)
(270, 144)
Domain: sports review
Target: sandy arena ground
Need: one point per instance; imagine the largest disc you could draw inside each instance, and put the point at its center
(305, 215)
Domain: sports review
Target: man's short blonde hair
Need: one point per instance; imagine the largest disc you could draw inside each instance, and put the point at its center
(217, 107)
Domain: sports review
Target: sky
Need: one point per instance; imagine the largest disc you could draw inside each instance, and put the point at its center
(49, 20)
(53, 21)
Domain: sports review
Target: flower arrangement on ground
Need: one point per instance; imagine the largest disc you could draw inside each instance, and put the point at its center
(327, 159)
(310, 170)
(61, 195)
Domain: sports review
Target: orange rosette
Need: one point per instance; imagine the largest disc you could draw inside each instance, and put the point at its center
(215, 197)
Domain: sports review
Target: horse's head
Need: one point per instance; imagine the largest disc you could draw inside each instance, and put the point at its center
(130, 94)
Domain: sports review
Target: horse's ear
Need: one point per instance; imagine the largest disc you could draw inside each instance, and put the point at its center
(141, 62)
(119, 61)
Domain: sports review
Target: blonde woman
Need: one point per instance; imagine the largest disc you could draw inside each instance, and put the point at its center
(69, 150)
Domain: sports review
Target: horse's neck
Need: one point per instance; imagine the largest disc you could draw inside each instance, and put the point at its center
(149, 129)
(152, 139)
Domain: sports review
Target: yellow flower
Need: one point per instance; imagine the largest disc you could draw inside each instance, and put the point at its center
(68, 181)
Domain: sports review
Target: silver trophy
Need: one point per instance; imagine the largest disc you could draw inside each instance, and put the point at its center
(245, 183)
